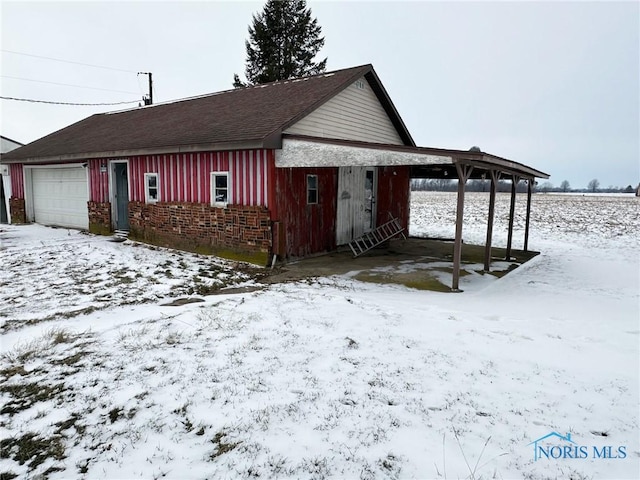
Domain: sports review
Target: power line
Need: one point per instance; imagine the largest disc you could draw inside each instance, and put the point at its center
(66, 84)
(67, 61)
(65, 103)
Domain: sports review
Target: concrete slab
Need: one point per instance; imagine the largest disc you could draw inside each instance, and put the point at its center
(420, 263)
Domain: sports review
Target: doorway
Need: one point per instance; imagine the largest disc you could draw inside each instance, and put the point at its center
(370, 190)
(356, 206)
(120, 188)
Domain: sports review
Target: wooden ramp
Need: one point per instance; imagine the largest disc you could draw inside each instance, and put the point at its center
(372, 239)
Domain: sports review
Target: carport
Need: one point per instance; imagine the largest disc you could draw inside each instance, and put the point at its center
(424, 162)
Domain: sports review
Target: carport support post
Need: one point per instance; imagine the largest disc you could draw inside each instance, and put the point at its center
(526, 224)
(512, 209)
(464, 172)
(492, 204)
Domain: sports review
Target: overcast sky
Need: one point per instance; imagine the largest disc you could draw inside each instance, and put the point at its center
(553, 85)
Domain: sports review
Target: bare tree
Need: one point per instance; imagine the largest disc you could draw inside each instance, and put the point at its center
(546, 187)
(593, 185)
(564, 186)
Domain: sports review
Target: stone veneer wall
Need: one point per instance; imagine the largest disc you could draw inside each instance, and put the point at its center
(18, 212)
(100, 217)
(203, 228)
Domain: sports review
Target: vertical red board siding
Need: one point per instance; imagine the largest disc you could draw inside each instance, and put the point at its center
(186, 177)
(308, 228)
(272, 180)
(182, 167)
(197, 174)
(180, 190)
(163, 176)
(17, 180)
(139, 172)
(312, 228)
(190, 175)
(249, 180)
(393, 195)
(98, 180)
(175, 180)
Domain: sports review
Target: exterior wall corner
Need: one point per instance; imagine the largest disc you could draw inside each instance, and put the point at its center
(100, 217)
(17, 209)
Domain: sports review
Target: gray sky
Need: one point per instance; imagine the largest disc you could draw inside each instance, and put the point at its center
(554, 85)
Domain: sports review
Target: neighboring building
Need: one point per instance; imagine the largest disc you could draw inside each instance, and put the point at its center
(6, 145)
(289, 168)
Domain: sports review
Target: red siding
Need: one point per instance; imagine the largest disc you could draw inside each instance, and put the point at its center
(17, 180)
(98, 181)
(272, 180)
(311, 229)
(393, 195)
(186, 177)
(307, 228)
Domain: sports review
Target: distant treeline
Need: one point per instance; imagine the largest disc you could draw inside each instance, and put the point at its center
(446, 185)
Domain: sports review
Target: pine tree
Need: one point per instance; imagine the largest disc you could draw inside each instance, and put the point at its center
(283, 42)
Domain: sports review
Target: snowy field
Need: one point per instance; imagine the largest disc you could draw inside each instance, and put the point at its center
(327, 378)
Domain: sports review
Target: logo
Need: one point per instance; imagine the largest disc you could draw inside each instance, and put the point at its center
(554, 446)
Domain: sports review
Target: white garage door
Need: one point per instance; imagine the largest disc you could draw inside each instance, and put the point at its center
(60, 196)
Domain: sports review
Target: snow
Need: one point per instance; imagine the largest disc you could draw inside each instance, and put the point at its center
(329, 378)
(302, 153)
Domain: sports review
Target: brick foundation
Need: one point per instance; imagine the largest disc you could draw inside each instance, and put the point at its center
(18, 212)
(100, 217)
(238, 231)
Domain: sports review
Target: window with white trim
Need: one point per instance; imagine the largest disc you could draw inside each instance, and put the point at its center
(312, 189)
(151, 188)
(220, 189)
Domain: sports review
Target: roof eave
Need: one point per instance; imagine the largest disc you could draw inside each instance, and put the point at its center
(267, 143)
(517, 167)
(482, 160)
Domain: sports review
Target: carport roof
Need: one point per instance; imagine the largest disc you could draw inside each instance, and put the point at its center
(425, 162)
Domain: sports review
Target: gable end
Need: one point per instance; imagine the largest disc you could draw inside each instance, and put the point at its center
(356, 113)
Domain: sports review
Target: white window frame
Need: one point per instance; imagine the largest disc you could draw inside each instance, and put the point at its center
(147, 197)
(309, 189)
(215, 203)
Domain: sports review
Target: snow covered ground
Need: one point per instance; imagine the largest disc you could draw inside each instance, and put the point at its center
(331, 378)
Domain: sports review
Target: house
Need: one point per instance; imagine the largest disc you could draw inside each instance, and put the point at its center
(6, 145)
(289, 168)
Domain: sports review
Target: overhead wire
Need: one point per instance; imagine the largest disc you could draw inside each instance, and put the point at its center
(66, 84)
(66, 61)
(66, 103)
(63, 84)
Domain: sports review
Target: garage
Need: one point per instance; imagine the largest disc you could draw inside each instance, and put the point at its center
(60, 196)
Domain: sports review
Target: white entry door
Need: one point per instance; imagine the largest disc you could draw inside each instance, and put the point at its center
(357, 188)
(60, 196)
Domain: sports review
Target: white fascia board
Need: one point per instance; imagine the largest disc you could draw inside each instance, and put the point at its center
(300, 153)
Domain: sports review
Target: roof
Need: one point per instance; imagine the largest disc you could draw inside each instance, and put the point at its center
(252, 117)
(426, 162)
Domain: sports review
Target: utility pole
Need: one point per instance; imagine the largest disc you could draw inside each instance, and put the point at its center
(148, 99)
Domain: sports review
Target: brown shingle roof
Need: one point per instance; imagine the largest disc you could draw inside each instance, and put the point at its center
(252, 117)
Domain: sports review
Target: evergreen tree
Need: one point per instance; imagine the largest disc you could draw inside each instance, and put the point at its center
(283, 42)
